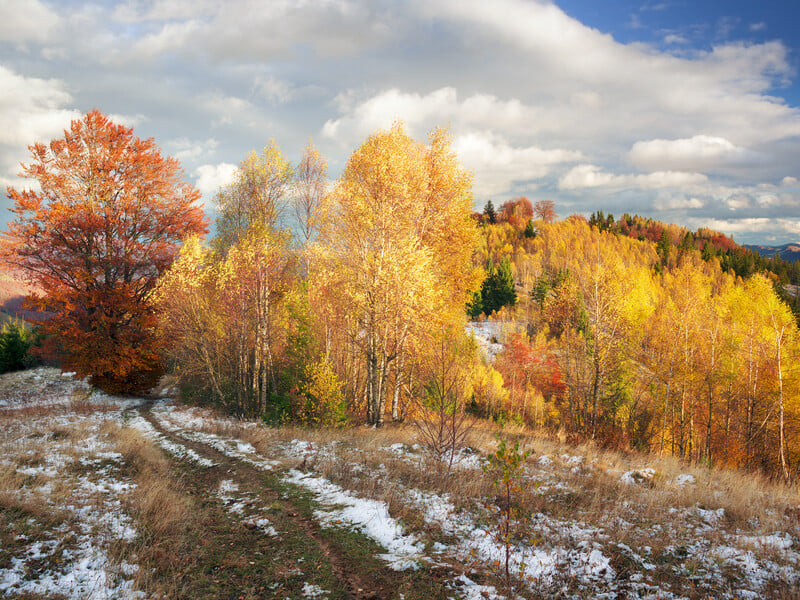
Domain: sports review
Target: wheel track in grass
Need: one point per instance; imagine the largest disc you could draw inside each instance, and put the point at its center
(360, 582)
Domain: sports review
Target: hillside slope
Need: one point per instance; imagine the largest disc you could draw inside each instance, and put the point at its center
(12, 295)
(787, 252)
(158, 499)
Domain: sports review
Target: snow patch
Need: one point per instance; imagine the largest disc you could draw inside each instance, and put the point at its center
(370, 517)
(314, 591)
(638, 476)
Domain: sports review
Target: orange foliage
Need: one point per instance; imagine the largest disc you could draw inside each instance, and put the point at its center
(516, 212)
(530, 369)
(106, 224)
(545, 210)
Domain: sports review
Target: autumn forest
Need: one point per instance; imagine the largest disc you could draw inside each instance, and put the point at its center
(328, 304)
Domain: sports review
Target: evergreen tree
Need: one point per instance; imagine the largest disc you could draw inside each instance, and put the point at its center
(663, 247)
(15, 340)
(709, 251)
(475, 305)
(530, 230)
(489, 212)
(498, 287)
(687, 243)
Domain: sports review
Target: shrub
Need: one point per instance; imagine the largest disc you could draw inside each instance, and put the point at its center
(15, 341)
(318, 400)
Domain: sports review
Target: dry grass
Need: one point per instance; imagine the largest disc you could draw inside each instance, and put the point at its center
(164, 514)
(597, 495)
(575, 486)
(158, 502)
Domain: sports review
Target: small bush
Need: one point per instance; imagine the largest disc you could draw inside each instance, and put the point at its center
(318, 400)
(15, 341)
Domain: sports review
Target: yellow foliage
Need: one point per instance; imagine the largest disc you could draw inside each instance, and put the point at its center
(394, 251)
(489, 395)
(319, 401)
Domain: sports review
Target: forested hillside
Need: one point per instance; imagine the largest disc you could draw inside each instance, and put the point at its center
(642, 335)
(322, 306)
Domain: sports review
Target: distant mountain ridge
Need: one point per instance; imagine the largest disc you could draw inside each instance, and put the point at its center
(788, 252)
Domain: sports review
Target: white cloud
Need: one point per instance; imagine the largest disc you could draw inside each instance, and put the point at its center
(225, 109)
(648, 90)
(591, 176)
(527, 91)
(23, 21)
(31, 109)
(245, 29)
(274, 90)
(167, 39)
(128, 120)
(678, 203)
(748, 225)
(738, 202)
(212, 177)
(423, 112)
(497, 165)
(185, 149)
(675, 39)
(698, 153)
(137, 11)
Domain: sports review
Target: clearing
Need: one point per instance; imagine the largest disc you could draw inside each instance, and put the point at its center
(104, 497)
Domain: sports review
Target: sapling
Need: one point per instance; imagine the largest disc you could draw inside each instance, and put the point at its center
(507, 467)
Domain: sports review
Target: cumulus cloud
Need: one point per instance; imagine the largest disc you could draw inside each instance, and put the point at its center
(670, 203)
(242, 29)
(497, 165)
(591, 176)
(698, 153)
(185, 149)
(274, 90)
(484, 121)
(648, 89)
(534, 98)
(674, 38)
(421, 112)
(225, 109)
(209, 178)
(752, 224)
(24, 21)
(32, 109)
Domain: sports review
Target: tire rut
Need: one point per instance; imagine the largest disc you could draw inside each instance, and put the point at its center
(357, 586)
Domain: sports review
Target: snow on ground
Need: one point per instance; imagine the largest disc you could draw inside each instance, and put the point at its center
(74, 474)
(314, 591)
(565, 550)
(230, 447)
(638, 477)
(184, 422)
(370, 517)
(470, 590)
(487, 334)
(178, 450)
(463, 458)
(244, 506)
(698, 543)
(48, 387)
(587, 564)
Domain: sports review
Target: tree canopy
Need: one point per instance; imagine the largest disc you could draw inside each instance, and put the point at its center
(106, 222)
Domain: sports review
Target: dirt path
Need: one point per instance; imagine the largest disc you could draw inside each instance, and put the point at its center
(358, 574)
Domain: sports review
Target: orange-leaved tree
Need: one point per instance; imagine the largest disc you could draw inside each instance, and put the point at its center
(106, 222)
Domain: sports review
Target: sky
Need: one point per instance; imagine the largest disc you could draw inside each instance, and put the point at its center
(684, 111)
